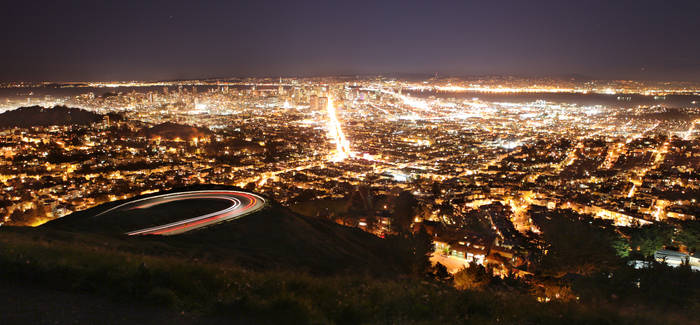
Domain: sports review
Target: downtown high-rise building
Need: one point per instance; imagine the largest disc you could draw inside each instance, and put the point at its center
(313, 102)
(322, 102)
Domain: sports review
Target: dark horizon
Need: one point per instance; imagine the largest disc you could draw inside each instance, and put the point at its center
(166, 40)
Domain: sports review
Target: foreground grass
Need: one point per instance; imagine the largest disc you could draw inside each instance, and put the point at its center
(66, 262)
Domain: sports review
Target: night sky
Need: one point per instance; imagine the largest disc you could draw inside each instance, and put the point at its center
(156, 40)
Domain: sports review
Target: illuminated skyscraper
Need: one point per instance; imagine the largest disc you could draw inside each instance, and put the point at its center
(313, 102)
(322, 103)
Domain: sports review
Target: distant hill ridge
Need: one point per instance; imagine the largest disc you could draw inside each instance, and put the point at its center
(31, 116)
(171, 130)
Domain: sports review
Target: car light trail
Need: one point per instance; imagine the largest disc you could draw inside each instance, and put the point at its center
(342, 145)
(242, 203)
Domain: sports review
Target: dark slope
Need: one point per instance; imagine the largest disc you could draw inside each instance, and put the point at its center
(278, 237)
(120, 222)
(32, 304)
(169, 130)
(39, 116)
(114, 224)
(273, 237)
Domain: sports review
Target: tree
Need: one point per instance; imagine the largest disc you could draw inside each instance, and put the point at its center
(622, 247)
(271, 152)
(476, 222)
(404, 210)
(435, 189)
(690, 235)
(472, 277)
(250, 187)
(372, 222)
(574, 245)
(422, 248)
(446, 250)
(446, 209)
(413, 251)
(441, 271)
(650, 238)
(28, 217)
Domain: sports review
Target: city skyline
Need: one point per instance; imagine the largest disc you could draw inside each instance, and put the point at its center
(350, 162)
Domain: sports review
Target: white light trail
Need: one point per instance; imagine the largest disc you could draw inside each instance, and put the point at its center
(342, 145)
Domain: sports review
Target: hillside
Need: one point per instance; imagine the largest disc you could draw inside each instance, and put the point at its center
(49, 275)
(40, 116)
(277, 237)
(270, 266)
(169, 130)
(273, 237)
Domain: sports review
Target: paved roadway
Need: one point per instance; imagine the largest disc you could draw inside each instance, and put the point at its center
(452, 264)
(242, 203)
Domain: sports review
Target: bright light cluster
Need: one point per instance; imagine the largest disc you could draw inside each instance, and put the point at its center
(342, 145)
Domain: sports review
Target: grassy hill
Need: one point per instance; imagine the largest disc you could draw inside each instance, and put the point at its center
(273, 237)
(54, 264)
(273, 266)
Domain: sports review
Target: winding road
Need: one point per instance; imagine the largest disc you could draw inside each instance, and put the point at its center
(242, 203)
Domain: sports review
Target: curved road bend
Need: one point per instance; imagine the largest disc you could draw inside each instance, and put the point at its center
(242, 203)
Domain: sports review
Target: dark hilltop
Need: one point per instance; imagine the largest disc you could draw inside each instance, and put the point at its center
(32, 116)
(273, 237)
(169, 130)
